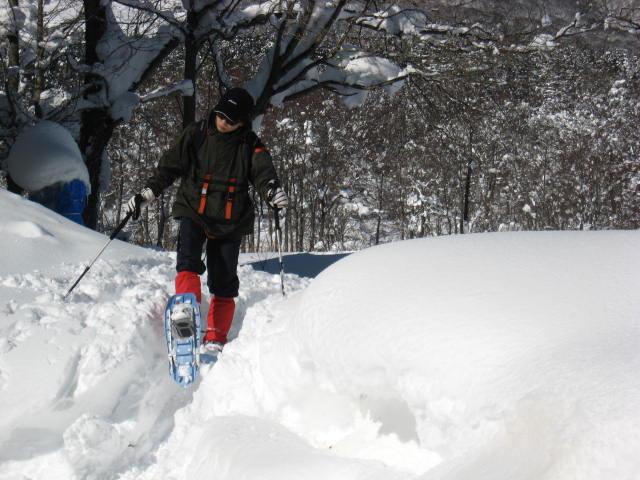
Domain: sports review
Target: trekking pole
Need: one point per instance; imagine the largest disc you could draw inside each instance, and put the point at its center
(276, 214)
(111, 237)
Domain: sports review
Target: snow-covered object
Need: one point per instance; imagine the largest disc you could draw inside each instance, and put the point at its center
(45, 154)
(505, 356)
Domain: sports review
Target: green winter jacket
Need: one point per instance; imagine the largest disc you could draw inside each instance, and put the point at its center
(215, 170)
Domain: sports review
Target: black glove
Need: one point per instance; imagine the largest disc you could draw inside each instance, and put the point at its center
(139, 200)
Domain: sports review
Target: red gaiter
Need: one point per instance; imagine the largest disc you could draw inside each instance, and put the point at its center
(188, 282)
(219, 319)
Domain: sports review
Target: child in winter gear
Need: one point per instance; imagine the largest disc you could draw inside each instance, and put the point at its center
(216, 159)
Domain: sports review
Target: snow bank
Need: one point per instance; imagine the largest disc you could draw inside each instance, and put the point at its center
(45, 154)
(509, 355)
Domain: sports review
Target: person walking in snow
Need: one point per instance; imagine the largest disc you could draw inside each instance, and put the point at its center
(216, 159)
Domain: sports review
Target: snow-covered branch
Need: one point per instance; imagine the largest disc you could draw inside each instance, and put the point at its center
(148, 7)
(411, 22)
(186, 88)
(625, 20)
(311, 51)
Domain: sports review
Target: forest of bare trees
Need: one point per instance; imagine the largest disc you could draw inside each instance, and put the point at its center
(387, 120)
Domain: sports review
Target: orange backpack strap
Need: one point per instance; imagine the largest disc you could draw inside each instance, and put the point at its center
(230, 194)
(203, 193)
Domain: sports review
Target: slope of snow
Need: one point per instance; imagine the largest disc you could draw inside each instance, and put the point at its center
(35, 238)
(488, 356)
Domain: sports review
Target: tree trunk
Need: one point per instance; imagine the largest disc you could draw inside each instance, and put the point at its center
(464, 221)
(95, 133)
(380, 206)
(190, 68)
(13, 81)
(97, 125)
(13, 41)
(466, 201)
(162, 221)
(38, 81)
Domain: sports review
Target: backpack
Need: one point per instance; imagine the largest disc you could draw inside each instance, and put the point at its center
(250, 141)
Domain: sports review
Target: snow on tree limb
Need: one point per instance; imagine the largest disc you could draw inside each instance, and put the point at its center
(625, 20)
(303, 58)
(147, 6)
(186, 87)
(124, 61)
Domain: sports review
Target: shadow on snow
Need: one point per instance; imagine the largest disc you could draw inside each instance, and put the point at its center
(301, 264)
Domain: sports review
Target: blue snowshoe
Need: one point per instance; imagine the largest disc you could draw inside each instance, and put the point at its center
(183, 335)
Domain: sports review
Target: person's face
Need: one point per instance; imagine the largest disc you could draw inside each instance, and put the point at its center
(223, 125)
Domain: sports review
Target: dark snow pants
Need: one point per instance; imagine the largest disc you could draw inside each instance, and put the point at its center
(222, 258)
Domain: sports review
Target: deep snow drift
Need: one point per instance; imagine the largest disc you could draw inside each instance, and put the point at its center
(488, 356)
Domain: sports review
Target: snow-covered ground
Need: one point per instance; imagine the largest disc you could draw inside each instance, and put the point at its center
(506, 356)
